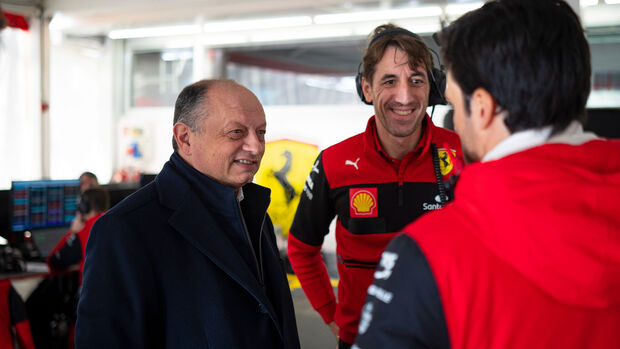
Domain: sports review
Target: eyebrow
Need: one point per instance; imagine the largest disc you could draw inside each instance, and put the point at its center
(392, 76)
(238, 124)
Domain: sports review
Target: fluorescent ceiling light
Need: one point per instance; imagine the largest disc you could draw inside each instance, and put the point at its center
(60, 22)
(154, 32)
(177, 55)
(301, 35)
(253, 24)
(586, 3)
(380, 15)
(461, 9)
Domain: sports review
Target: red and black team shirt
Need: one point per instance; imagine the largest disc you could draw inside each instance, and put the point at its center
(373, 197)
(14, 325)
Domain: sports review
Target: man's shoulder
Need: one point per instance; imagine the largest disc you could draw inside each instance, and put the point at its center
(144, 196)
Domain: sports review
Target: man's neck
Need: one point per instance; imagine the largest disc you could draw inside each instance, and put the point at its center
(89, 215)
(398, 147)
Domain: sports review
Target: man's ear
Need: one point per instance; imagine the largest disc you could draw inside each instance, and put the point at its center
(483, 108)
(366, 89)
(181, 134)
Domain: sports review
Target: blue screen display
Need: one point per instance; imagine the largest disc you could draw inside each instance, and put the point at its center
(43, 203)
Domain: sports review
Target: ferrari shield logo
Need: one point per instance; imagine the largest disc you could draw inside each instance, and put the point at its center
(445, 161)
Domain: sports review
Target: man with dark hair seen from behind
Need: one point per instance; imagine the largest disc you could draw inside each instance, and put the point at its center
(190, 260)
(375, 182)
(528, 253)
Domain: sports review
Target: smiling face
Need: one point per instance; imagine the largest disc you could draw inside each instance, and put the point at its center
(230, 140)
(399, 95)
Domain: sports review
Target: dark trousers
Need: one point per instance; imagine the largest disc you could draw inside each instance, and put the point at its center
(343, 345)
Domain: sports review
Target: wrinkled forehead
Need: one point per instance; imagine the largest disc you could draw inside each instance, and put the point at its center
(232, 102)
(399, 57)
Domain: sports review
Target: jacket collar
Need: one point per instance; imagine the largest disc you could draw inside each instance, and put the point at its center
(205, 212)
(523, 140)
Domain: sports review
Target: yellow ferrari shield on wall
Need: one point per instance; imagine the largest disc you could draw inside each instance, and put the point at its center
(284, 169)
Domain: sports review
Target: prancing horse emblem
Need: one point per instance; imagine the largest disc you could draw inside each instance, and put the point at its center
(349, 162)
(280, 175)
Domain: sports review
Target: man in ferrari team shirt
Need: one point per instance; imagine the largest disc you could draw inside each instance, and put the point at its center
(375, 182)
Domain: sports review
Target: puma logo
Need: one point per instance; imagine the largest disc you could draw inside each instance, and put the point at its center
(349, 162)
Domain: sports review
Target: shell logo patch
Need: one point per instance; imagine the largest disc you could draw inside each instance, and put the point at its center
(363, 202)
(445, 160)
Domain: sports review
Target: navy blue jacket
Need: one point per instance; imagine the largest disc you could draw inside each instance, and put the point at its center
(172, 267)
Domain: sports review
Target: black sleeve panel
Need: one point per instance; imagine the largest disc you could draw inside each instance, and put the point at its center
(316, 210)
(403, 307)
(69, 254)
(18, 308)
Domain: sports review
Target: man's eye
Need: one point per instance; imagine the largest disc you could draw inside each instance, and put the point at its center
(261, 132)
(388, 82)
(236, 134)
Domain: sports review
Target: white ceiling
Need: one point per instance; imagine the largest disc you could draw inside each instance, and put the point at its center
(98, 17)
(112, 14)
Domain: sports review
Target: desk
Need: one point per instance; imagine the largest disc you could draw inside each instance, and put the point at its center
(26, 281)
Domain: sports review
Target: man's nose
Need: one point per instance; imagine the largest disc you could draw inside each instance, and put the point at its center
(404, 93)
(253, 144)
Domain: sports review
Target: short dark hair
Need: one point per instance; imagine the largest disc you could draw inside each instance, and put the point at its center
(531, 55)
(191, 105)
(98, 199)
(413, 45)
(90, 175)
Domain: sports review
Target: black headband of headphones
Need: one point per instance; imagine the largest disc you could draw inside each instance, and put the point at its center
(437, 76)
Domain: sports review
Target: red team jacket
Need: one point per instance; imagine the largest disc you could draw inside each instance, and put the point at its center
(526, 256)
(373, 197)
(13, 315)
(71, 249)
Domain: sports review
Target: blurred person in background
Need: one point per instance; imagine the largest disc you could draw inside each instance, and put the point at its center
(88, 180)
(70, 250)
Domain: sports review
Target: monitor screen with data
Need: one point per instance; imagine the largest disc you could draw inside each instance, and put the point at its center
(43, 204)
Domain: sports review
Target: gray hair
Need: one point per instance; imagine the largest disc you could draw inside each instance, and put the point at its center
(191, 105)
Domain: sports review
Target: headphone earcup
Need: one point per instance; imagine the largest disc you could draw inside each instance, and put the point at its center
(83, 205)
(438, 86)
(360, 89)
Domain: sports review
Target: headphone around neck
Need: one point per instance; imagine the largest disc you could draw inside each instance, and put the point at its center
(437, 76)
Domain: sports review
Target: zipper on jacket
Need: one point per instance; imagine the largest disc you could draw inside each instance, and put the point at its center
(401, 187)
(259, 266)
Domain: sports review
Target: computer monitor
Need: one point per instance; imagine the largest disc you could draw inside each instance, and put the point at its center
(45, 208)
(119, 191)
(5, 213)
(146, 178)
